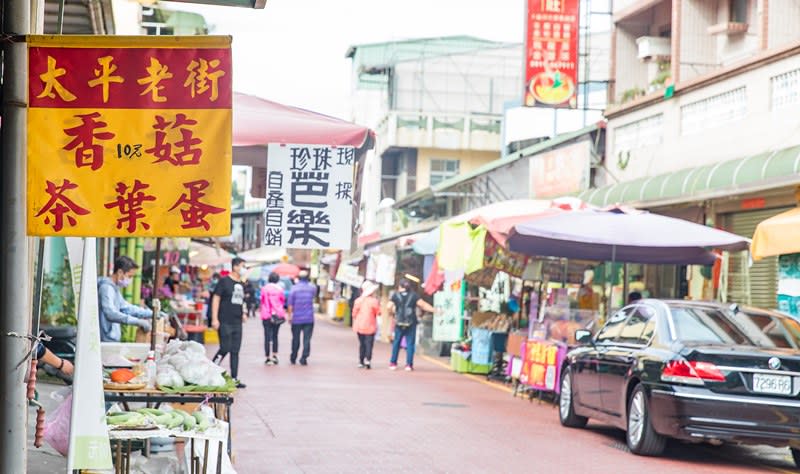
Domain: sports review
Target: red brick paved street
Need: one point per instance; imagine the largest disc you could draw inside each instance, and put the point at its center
(331, 417)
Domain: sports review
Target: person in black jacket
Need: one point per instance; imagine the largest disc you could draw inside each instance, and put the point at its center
(403, 307)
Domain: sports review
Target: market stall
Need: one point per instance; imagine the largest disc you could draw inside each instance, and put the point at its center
(494, 298)
(184, 394)
(624, 235)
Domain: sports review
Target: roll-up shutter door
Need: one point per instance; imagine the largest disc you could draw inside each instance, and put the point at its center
(763, 274)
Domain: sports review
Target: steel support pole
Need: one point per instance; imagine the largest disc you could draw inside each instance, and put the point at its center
(15, 279)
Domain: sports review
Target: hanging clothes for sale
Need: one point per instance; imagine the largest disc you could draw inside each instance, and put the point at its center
(464, 250)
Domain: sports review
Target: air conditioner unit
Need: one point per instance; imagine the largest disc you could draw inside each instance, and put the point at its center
(651, 47)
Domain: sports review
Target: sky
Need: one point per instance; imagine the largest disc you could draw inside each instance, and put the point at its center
(293, 51)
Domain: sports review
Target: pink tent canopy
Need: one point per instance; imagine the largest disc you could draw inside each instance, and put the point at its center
(499, 218)
(258, 122)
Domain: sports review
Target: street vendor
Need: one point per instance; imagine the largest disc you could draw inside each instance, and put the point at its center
(113, 308)
(171, 284)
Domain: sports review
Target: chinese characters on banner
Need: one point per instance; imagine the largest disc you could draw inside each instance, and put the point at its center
(448, 316)
(129, 136)
(541, 364)
(309, 196)
(551, 53)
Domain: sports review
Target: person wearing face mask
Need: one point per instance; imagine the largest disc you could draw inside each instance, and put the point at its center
(228, 313)
(114, 310)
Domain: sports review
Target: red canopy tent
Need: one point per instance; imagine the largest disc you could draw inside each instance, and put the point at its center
(258, 122)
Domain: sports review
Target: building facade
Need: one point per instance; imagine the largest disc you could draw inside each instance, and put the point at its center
(701, 123)
(436, 105)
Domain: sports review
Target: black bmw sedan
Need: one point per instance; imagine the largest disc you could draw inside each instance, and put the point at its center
(694, 371)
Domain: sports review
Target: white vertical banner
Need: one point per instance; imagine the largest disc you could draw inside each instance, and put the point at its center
(89, 447)
(309, 197)
(75, 256)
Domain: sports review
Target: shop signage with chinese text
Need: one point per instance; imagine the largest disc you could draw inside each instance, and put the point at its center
(129, 136)
(551, 53)
(541, 364)
(448, 320)
(310, 192)
(562, 171)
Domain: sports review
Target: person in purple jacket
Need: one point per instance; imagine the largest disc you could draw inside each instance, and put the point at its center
(301, 316)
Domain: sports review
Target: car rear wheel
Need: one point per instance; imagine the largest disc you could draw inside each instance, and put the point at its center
(642, 439)
(566, 408)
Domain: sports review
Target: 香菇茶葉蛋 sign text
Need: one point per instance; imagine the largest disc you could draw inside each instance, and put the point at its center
(129, 136)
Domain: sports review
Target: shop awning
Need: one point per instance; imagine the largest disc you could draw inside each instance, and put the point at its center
(499, 218)
(428, 244)
(263, 255)
(622, 235)
(200, 254)
(779, 235)
(751, 174)
(258, 122)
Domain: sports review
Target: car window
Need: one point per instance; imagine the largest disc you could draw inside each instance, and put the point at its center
(769, 330)
(698, 324)
(649, 330)
(614, 325)
(633, 332)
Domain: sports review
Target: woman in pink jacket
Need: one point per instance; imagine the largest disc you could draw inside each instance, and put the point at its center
(273, 314)
(365, 322)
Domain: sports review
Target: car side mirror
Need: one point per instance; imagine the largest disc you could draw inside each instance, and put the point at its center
(583, 337)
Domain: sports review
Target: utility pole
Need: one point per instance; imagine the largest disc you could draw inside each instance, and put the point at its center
(15, 308)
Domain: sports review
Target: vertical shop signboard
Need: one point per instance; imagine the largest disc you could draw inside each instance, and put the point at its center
(448, 316)
(551, 53)
(129, 136)
(310, 192)
(541, 366)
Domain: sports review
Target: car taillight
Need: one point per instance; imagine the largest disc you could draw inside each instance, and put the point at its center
(693, 373)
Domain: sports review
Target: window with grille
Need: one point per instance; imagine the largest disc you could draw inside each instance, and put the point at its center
(785, 89)
(714, 111)
(442, 170)
(639, 134)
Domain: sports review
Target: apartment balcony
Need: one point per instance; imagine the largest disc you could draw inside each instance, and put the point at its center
(479, 132)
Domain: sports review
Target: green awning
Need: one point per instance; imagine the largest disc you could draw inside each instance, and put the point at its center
(753, 173)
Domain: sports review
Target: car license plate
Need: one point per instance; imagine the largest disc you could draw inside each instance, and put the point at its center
(774, 384)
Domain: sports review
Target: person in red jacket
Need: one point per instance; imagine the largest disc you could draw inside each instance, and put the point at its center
(365, 322)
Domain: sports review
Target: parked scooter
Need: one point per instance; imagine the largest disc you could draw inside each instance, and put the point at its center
(63, 340)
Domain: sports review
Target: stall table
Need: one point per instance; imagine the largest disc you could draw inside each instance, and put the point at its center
(123, 439)
(220, 402)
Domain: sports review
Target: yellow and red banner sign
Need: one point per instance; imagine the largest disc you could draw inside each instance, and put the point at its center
(129, 136)
(541, 364)
(551, 53)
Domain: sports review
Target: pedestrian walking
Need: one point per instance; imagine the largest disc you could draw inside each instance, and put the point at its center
(403, 307)
(301, 316)
(273, 314)
(250, 299)
(366, 309)
(228, 314)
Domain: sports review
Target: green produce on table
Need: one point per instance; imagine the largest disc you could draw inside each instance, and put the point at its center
(126, 419)
(160, 417)
(202, 421)
(189, 421)
(175, 420)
